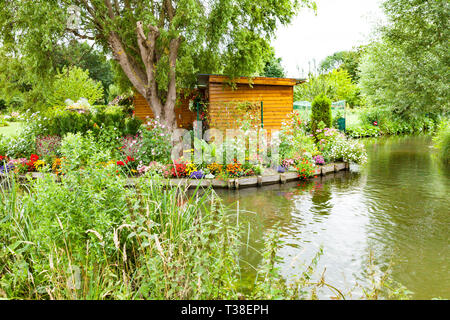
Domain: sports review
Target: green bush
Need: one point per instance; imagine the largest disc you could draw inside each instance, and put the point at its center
(442, 140)
(321, 112)
(74, 83)
(107, 124)
(392, 124)
(82, 150)
(363, 131)
(60, 121)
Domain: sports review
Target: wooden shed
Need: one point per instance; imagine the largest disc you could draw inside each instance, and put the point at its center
(221, 99)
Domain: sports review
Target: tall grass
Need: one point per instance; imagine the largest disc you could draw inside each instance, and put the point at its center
(88, 236)
(96, 239)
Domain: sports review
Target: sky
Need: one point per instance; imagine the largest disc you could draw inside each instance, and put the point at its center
(338, 25)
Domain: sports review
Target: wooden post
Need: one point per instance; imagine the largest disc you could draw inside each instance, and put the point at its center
(262, 115)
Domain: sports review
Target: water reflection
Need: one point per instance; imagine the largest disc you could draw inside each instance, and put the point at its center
(397, 206)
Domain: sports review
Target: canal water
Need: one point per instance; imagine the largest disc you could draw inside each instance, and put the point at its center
(396, 209)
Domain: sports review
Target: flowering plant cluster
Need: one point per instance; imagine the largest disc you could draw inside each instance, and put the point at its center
(197, 174)
(156, 143)
(236, 169)
(305, 169)
(128, 166)
(154, 168)
(47, 146)
(287, 163)
(179, 169)
(131, 146)
(319, 160)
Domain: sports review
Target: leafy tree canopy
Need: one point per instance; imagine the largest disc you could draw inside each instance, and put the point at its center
(273, 68)
(160, 45)
(86, 57)
(337, 85)
(346, 60)
(408, 69)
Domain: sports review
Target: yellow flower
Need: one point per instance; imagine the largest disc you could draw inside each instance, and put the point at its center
(190, 167)
(39, 164)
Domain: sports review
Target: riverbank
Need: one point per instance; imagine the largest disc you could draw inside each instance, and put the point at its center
(269, 178)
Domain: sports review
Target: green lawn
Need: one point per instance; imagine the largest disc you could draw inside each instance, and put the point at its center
(11, 130)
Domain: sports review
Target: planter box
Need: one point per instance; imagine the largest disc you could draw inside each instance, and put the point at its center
(247, 182)
(292, 176)
(219, 183)
(272, 179)
(339, 166)
(327, 169)
(202, 183)
(176, 182)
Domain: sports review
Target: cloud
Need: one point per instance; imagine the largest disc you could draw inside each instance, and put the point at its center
(338, 25)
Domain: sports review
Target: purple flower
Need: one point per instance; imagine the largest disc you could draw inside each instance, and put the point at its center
(319, 160)
(196, 175)
(6, 168)
(281, 169)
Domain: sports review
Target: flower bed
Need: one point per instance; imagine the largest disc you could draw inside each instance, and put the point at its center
(300, 153)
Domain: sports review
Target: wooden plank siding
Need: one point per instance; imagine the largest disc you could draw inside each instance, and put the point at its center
(185, 117)
(277, 100)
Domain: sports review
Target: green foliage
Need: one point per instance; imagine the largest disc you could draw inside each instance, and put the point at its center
(274, 69)
(74, 83)
(107, 124)
(86, 57)
(82, 150)
(366, 130)
(229, 37)
(156, 143)
(392, 124)
(337, 85)
(442, 140)
(344, 60)
(78, 237)
(59, 121)
(19, 89)
(321, 112)
(408, 69)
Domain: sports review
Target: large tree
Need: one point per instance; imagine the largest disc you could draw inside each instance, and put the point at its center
(346, 60)
(159, 45)
(408, 68)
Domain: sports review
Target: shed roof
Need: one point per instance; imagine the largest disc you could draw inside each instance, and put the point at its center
(205, 79)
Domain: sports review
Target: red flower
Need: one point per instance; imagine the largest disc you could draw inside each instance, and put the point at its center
(129, 159)
(34, 158)
(375, 123)
(120, 163)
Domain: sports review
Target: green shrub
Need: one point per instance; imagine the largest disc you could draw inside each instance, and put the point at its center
(156, 143)
(321, 112)
(442, 140)
(59, 121)
(74, 83)
(392, 124)
(363, 131)
(82, 150)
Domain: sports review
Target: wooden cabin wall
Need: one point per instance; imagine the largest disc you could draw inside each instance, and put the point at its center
(185, 117)
(277, 100)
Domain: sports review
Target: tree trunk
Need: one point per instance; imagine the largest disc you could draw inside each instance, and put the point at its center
(144, 79)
